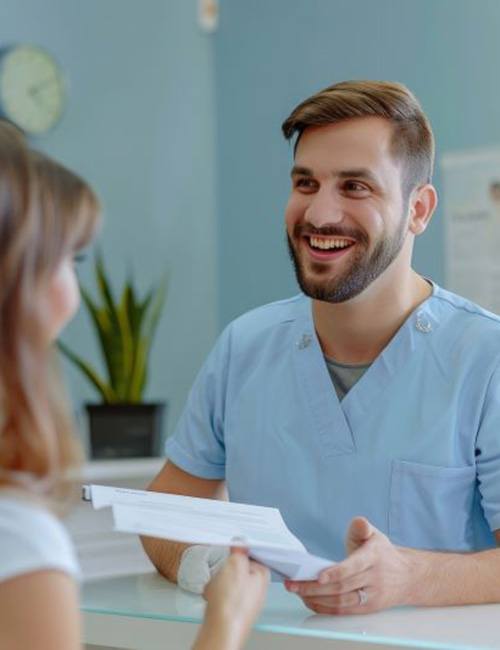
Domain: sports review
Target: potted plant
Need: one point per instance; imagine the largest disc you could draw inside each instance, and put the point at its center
(123, 425)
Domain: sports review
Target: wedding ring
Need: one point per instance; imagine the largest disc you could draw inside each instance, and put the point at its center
(363, 597)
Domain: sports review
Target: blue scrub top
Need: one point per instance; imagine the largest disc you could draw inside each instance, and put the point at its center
(414, 446)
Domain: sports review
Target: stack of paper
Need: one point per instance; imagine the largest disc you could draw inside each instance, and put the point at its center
(207, 521)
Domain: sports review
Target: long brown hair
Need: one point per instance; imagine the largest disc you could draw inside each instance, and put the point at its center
(46, 213)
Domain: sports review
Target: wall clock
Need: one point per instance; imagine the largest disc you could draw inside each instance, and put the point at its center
(32, 88)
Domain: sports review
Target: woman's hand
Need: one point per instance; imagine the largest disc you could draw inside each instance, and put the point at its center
(235, 596)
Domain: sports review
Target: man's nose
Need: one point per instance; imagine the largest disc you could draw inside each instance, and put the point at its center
(324, 209)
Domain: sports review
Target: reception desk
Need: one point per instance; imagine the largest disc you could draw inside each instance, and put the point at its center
(145, 612)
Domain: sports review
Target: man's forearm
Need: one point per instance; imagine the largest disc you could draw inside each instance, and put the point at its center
(165, 555)
(440, 579)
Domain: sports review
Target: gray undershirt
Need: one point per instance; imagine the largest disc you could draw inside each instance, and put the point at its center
(344, 376)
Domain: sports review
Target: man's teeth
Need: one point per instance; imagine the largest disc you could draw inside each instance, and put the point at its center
(326, 244)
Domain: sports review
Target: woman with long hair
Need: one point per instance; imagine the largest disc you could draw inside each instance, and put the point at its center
(48, 214)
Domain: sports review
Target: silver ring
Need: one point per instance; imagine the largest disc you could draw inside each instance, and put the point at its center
(363, 597)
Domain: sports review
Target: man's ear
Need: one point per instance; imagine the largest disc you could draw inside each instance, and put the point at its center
(423, 202)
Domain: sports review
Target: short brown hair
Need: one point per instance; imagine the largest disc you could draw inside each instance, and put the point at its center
(46, 213)
(413, 141)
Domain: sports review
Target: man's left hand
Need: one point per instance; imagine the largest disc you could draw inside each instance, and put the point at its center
(376, 575)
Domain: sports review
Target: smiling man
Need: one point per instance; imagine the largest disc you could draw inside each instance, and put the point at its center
(368, 407)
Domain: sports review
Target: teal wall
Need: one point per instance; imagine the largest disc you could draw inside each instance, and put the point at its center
(140, 126)
(179, 131)
(271, 54)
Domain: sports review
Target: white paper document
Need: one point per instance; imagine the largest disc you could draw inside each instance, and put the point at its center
(208, 521)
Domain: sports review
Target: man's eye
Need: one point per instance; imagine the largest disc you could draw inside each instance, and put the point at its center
(304, 183)
(355, 187)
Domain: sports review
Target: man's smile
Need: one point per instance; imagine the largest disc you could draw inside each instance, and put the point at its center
(328, 247)
(327, 243)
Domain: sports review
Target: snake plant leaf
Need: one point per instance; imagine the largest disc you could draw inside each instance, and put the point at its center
(128, 344)
(158, 302)
(145, 316)
(117, 336)
(138, 375)
(142, 308)
(143, 378)
(101, 387)
(131, 309)
(124, 330)
(150, 311)
(104, 287)
(104, 330)
(129, 300)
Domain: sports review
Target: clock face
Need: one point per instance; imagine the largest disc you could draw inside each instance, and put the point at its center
(32, 93)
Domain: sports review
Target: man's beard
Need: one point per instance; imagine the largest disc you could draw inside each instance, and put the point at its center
(361, 272)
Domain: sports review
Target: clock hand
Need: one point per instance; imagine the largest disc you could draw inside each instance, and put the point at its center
(39, 87)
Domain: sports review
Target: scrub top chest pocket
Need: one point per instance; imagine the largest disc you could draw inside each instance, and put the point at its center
(432, 507)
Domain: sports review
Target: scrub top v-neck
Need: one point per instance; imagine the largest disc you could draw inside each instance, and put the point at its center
(414, 445)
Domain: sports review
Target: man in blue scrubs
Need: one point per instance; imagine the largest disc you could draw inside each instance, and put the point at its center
(368, 407)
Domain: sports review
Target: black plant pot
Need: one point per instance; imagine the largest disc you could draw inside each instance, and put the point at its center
(125, 430)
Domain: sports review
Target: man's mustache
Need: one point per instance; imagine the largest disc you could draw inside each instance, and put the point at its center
(308, 230)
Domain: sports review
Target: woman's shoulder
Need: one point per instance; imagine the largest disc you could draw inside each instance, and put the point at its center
(32, 539)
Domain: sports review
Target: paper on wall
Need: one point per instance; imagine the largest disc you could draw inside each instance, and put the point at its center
(471, 190)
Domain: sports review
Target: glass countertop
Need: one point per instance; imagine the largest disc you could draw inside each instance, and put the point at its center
(149, 596)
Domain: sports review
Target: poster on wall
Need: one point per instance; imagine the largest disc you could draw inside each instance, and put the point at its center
(471, 191)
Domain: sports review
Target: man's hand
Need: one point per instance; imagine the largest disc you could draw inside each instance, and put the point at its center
(375, 575)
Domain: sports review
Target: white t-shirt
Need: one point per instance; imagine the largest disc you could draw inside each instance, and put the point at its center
(32, 539)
